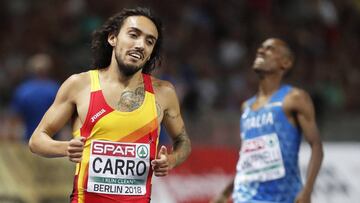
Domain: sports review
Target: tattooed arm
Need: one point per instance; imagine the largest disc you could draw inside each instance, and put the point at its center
(181, 148)
(174, 125)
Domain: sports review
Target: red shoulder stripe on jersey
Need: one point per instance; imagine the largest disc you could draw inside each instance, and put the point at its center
(148, 83)
(98, 108)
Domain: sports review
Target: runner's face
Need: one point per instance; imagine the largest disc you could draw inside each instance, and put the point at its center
(135, 43)
(269, 56)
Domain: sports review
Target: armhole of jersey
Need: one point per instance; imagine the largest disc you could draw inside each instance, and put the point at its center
(95, 86)
(149, 88)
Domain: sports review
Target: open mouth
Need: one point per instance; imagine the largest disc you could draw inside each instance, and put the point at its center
(259, 59)
(136, 55)
(259, 56)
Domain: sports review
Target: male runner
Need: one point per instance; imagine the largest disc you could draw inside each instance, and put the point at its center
(117, 110)
(272, 124)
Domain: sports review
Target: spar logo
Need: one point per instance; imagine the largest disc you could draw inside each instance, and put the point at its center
(114, 149)
(254, 145)
(142, 151)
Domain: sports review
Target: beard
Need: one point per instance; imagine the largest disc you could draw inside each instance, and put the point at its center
(127, 70)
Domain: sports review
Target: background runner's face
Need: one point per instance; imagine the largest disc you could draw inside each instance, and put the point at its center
(135, 43)
(269, 56)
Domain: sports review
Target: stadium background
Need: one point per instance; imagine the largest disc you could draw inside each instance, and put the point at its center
(208, 51)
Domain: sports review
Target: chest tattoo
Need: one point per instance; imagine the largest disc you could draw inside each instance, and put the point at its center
(131, 100)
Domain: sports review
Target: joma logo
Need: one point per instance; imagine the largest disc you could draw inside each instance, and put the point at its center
(97, 115)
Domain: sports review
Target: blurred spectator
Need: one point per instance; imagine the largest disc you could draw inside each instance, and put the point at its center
(33, 97)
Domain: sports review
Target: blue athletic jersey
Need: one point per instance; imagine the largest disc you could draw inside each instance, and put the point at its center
(31, 100)
(267, 170)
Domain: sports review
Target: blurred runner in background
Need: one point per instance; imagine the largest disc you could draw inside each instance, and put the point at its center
(272, 124)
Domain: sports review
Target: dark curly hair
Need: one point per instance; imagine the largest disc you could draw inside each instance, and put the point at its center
(102, 50)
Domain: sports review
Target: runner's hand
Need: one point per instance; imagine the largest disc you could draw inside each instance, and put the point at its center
(303, 197)
(75, 149)
(160, 165)
(220, 199)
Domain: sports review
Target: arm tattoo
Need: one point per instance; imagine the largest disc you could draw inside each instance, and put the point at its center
(182, 147)
(169, 115)
(131, 100)
(158, 109)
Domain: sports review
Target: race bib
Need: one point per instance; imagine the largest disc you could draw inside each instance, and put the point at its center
(261, 159)
(118, 168)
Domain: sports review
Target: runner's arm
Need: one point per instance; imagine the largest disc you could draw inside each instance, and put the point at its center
(305, 116)
(175, 127)
(225, 194)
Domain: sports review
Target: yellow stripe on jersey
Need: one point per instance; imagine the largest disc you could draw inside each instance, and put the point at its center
(95, 83)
